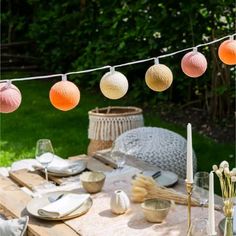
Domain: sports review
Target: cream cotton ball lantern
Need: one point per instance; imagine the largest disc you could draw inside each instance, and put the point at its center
(10, 97)
(194, 64)
(158, 77)
(113, 84)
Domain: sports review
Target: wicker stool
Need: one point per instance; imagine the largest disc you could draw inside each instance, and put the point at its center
(106, 124)
(157, 146)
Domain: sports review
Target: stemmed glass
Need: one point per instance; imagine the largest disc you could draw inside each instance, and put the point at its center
(119, 158)
(200, 192)
(44, 154)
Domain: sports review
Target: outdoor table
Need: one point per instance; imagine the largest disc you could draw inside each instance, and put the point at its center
(98, 220)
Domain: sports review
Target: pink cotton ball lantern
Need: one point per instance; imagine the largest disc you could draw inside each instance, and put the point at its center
(10, 97)
(194, 64)
(64, 95)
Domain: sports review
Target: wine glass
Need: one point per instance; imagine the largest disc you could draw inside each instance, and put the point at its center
(200, 192)
(120, 158)
(44, 154)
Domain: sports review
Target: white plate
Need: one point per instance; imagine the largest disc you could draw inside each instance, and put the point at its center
(36, 203)
(78, 167)
(166, 179)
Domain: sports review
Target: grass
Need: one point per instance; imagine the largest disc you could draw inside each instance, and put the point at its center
(36, 118)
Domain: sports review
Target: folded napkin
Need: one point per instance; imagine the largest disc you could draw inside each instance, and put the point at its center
(63, 206)
(59, 165)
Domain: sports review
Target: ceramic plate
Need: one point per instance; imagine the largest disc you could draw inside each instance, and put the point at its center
(166, 179)
(37, 203)
(78, 167)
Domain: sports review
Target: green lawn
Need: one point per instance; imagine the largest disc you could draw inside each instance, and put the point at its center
(37, 118)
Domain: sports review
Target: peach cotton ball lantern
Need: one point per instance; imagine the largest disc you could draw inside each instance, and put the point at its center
(194, 64)
(227, 52)
(10, 97)
(158, 77)
(64, 95)
(114, 85)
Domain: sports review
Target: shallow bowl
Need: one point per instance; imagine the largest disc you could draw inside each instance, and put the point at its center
(155, 210)
(92, 181)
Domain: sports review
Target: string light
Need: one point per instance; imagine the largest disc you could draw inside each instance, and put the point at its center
(120, 65)
(114, 84)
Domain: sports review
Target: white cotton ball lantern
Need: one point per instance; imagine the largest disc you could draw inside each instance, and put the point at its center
(10, 97)
(114, 85)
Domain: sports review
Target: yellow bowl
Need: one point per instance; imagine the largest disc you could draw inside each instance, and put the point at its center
(92, 181)
(155, 210)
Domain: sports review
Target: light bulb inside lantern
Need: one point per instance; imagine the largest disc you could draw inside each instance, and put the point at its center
(10, 97)
(64, 95)
(227, 52)
(158, 77)
(194, 64)
(113, 84)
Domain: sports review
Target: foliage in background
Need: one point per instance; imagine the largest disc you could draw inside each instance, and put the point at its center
(75, 35)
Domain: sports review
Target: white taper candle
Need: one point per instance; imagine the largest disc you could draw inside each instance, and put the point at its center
(211, 206)
(189, 176)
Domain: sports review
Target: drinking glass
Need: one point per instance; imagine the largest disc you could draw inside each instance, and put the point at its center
(199, 227)
(44, 154)
(200, 192)
(201, 187)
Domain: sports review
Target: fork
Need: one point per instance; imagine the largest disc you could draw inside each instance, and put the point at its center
(55, 198)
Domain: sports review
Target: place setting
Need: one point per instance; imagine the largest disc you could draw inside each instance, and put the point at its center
(52, 164)
(60, 205)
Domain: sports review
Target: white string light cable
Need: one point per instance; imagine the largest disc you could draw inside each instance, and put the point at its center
(120, 65)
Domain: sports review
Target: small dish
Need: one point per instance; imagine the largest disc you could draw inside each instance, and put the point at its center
(155, 210)
(92, 181)
(166, 179)
(36, 203)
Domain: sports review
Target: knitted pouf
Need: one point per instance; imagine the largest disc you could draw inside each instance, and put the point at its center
(156, 146)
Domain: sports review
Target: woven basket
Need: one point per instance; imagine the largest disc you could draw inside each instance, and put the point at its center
(106, 124)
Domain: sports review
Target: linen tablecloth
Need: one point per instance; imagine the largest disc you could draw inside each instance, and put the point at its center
(101, 221)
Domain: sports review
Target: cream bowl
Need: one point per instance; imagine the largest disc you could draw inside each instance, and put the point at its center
(92, 181)
(155, 210)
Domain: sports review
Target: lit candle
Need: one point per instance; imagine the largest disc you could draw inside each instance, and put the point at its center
(189, 176)
(211, 207)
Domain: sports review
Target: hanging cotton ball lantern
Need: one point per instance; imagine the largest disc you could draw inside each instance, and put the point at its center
(227, 52)
(159, 77)
(194, 64)
(114, 84)
(64, 95)
(10, 97)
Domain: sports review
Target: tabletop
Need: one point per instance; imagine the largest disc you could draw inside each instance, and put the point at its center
(99, 220)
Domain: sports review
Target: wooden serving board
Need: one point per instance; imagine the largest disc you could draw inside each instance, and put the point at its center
(13, 200)
(30, 179)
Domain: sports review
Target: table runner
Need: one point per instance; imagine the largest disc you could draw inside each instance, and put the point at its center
(101, 221)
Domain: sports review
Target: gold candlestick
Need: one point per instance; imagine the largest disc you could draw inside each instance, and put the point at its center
(189, 188)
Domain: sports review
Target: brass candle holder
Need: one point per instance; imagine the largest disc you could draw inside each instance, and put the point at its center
(189, 189)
